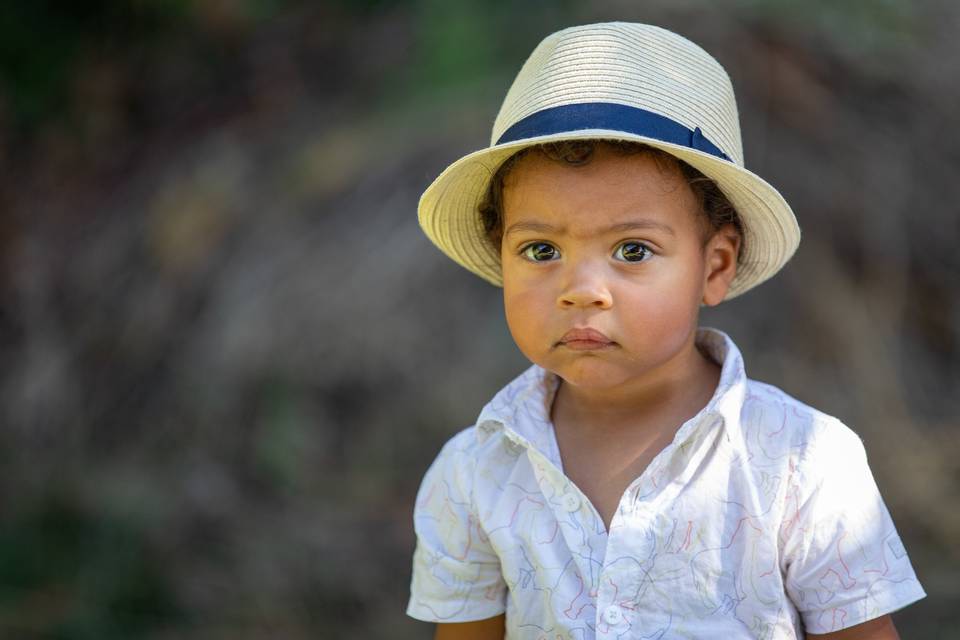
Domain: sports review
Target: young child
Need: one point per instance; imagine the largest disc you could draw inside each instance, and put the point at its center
(634, 483)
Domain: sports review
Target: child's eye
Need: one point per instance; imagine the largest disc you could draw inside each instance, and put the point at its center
(540, 252)
(632, 252)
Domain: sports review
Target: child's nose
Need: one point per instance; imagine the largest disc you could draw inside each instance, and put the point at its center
(586, 286)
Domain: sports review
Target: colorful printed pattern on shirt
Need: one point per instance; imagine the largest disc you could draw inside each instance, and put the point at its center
(759, 520)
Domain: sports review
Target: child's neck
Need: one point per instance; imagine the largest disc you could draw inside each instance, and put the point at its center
(661, 402)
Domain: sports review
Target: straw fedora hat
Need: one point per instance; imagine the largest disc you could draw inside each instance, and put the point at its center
(619, 81)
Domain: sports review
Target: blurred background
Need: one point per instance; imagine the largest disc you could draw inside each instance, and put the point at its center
(229, 354)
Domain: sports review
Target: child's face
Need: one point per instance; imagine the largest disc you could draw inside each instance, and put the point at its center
(617, 246)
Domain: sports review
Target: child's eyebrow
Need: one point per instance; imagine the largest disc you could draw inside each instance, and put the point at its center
(630, 225)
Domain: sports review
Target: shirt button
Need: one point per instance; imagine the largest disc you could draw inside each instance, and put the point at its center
(613, 614)
(571, 502)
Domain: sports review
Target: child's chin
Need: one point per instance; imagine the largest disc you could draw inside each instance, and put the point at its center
(593, 373)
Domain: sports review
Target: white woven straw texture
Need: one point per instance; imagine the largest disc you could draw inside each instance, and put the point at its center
(630, 64)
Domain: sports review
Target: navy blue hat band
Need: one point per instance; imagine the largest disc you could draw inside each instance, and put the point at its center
(612, 116)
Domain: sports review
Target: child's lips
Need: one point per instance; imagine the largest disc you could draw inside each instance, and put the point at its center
(585, 339)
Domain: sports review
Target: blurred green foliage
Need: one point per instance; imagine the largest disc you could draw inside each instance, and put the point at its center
(280, 445)
(74, 573)
(42, 43)
(865, 27)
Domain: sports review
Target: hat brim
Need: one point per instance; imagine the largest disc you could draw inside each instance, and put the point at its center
(449, 208)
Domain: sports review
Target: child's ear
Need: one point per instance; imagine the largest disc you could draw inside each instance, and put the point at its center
(720, 264)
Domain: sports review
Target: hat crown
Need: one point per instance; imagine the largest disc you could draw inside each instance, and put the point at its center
(636, 65)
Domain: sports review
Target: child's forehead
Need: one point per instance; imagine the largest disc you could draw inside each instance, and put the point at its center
(609, 189)
(603, 164)
(586, 225)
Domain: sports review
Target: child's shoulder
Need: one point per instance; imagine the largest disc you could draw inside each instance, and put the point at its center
(776, 418)
(463, 445)
(469, 467)
(470, 446)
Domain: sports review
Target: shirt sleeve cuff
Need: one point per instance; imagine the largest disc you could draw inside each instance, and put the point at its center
(464, 611)
(881, 601)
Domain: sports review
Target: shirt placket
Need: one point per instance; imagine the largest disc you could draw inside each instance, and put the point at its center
(583, 532)
(629, 549)
(608, 565)
(634, 538)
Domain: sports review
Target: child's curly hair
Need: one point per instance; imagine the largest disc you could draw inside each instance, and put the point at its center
(717, 209)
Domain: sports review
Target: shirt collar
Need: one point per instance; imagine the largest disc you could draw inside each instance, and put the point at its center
(522, 408)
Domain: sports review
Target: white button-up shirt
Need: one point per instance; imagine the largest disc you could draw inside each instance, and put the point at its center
(761, 519)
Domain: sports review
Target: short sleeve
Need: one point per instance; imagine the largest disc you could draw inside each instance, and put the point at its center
(843, 560)
(456, 573)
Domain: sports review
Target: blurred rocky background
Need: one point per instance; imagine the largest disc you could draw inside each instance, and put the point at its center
(229, 354)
